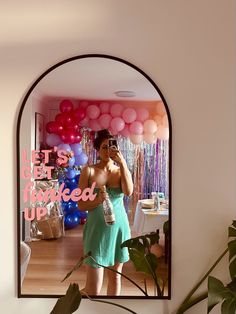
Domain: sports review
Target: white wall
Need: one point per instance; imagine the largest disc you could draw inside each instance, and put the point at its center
(188, 49)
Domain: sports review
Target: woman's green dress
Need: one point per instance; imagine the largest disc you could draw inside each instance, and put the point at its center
(102, 240)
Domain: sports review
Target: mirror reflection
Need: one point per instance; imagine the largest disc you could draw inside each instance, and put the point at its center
(94, 182)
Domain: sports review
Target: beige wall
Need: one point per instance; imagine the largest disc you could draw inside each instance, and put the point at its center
(188, 49)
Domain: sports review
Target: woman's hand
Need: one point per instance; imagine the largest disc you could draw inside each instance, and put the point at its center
(116, 155)
(102, 194)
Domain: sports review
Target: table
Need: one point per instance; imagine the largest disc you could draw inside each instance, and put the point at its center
(149, 220)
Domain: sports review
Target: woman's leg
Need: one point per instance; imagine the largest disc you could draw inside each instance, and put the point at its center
(94, 280)
(114, 280)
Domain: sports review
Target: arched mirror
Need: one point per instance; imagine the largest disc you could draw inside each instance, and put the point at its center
(60, 117)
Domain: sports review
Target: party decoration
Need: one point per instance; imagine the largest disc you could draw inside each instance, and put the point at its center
(70, 173)
(72, 219)
(65, 147)
(165, 121)
(136, 127)
(116, 110)
(158, 119)
(84, 122)
(117, 124)
(83, 103)
(125, 132)
(160, 108)
(163, 133)
(105, 107)
(150, 138)
(149, 126)
(79, 114)
(94, 125)
(129, 115)
(104, 120)
(66, 105)
(142, 114)
(93, 112)
(71, 161)
(76, 148)
(53, 140)
(68, 137)
(136, 138)
(81, 159)
(52, 127)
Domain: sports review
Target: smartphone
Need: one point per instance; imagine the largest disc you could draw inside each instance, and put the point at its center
(113, 143)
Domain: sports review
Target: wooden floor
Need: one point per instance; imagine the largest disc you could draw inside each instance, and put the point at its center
(51, 260)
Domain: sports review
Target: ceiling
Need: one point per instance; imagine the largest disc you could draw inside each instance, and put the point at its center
(96, 78)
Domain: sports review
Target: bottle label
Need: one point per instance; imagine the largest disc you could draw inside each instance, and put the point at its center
(110, 218)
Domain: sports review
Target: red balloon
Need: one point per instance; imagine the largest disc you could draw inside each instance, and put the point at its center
(78, 138)
(83, 221)
(59, 118)
(68, 137)
(52, 127)
(66, 105)
(72, 127)
(60, 129)
(79, 114)
(67, 119)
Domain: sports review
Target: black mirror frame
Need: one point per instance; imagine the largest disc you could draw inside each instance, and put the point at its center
(19, 294)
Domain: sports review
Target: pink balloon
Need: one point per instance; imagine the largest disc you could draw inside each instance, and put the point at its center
(84, 122)
(116, 110)
(129, 115)
(163, 133)
(66, 105)
(149, 126)
(104, 107)
(125, 132)
(79, 114)
(142, 114)
(113, 132)
(104, 120)
(136, 138)
(150, 138)
(136, 127)
(93, 112)
(94, 125)
(117, 124)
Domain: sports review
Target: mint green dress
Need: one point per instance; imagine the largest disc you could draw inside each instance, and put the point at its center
(104, 240)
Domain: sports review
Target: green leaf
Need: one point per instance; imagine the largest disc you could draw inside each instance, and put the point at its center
(228, 306)
(217, 292)
(70, 302)
(232, 249)
(166, 227)
(144, 263)
(232, 268)
(232, 232)
(232, 286)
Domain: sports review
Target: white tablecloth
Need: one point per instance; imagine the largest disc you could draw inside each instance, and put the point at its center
(146, 220)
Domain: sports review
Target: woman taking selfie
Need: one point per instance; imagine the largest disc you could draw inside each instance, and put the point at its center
(102, 239)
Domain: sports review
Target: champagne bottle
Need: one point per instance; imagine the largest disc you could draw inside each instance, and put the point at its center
(108, 211)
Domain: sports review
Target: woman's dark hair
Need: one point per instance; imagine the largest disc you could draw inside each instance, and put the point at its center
(101, 136)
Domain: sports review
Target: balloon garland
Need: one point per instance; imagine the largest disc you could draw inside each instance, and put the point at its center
(142, 138)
